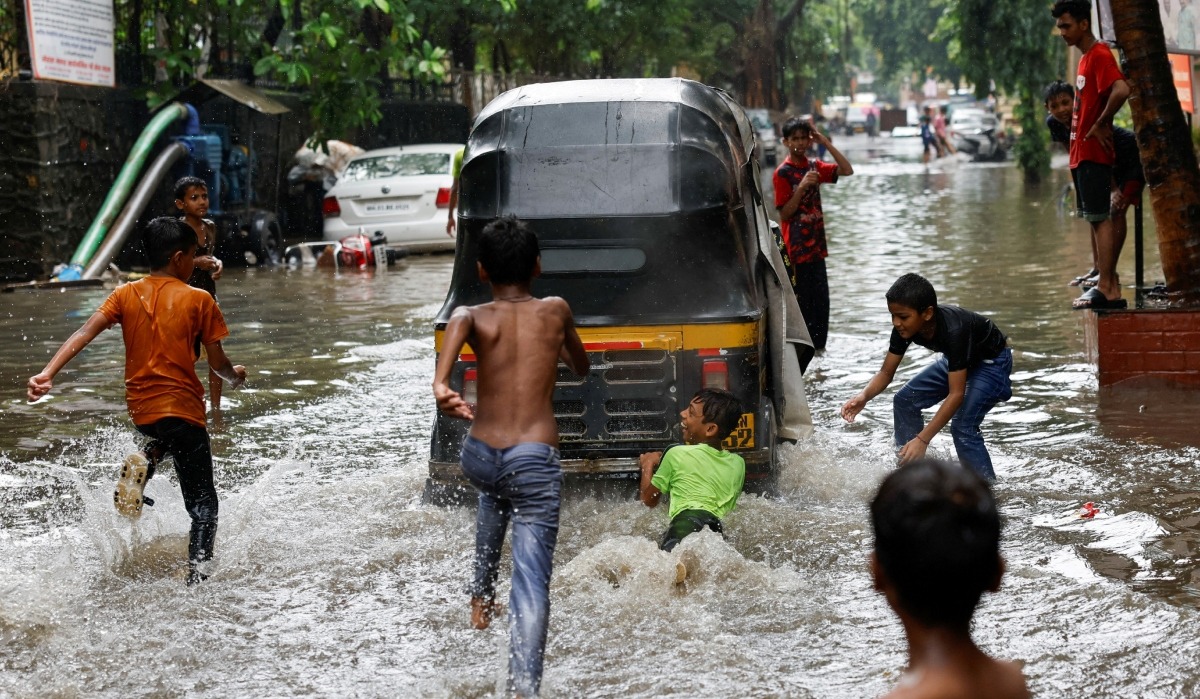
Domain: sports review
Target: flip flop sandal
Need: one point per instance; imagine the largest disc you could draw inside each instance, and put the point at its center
(1095, 300)
(128, 495)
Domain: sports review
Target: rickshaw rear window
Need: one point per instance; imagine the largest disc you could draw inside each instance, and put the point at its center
(402, 165)
(590, 259)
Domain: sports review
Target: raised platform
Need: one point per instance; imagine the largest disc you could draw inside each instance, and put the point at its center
(1149, 342)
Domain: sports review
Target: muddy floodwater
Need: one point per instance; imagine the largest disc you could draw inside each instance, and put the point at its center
(332, 578)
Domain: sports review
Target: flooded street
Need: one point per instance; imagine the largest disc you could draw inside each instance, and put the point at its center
(334, 579)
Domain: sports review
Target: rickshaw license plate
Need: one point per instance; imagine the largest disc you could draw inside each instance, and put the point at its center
(742, 436)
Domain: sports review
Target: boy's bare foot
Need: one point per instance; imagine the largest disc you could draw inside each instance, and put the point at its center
(483, 610)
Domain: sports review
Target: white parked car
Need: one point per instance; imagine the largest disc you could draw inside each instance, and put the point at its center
(401, 193)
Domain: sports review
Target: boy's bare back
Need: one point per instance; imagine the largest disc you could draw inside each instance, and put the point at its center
(517, 345)
(980, 677)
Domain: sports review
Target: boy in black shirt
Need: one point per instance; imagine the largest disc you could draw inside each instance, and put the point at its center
(970, 377)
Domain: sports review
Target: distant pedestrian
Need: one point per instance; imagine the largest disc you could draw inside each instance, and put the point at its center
(936, 551)
(939, 130)
(969, 378)
(511, 452)
(929, 142)
(1100, 92)
(797, 183)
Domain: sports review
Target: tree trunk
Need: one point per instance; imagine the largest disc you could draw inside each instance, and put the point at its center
(1169, 162)
(759, 65)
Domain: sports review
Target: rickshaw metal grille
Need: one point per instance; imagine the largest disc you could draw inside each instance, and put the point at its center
(623, 399)
(638, 426)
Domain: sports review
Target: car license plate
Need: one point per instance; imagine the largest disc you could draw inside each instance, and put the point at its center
(742, 436)
(388, 207)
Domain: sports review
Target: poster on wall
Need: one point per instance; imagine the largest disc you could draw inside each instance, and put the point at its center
(71, 40)
(1180, 21)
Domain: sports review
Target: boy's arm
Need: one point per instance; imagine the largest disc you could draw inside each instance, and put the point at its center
(41, 384)
(875, 386)
(1102, 128)
(457, 331)
(916, 447)
(573, 353)
(845, 169)
(649, 494)
(235, 374)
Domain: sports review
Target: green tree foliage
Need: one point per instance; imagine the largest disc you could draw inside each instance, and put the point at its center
(904, 33)
(342, 54)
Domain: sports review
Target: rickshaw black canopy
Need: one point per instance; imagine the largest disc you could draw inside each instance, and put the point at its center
(636, 189)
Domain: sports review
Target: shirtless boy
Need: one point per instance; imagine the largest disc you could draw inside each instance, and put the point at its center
(511, 453)
(937, 550)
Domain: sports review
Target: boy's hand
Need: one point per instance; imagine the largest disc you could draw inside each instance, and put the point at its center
(853, 407)
(650, 460)
(819, 138)
(215, 269)
(38, 386)
(811, 179)
(241, 374)
(451, 403)
(912, 451)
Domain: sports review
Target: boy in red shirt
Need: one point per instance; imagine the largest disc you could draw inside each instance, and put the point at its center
(797, 183)
(161, 318)
(1100, 92)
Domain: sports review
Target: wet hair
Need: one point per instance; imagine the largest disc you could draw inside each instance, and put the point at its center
(183, 184)
(1056, 88)
(165, 236)
(721, 408)
(508, 250)
(1080, 10)
(912, 290)
(797, 124)
(937, 539)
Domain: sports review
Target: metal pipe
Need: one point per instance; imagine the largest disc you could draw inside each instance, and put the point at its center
(133, 209)
(124, 182)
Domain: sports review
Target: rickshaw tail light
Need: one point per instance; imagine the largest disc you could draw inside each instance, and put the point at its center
(715, 374)
(330, 207)
(470, 392)
(443, 198)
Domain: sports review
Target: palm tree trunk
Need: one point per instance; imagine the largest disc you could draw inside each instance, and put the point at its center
(1169, 162)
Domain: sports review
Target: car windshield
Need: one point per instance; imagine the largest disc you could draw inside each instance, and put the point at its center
(401, 165)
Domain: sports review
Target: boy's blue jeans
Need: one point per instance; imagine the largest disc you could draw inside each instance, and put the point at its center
(987, 385)
(523, 482)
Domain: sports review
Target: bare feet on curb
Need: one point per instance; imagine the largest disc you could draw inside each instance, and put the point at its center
(483, 611)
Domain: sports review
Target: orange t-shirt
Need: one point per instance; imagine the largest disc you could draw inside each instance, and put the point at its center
(161, 318)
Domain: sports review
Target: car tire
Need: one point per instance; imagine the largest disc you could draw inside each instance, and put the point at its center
(262, 240)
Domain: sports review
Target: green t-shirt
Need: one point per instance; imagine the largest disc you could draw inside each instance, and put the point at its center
(699, 477)
(456, 164)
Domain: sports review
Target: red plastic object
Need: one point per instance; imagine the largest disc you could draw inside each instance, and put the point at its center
(356, 252)
(1088, 511)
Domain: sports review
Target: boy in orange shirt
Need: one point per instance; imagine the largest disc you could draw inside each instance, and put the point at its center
(161, 318)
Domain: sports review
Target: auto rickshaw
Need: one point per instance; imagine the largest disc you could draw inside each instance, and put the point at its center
(645, 199)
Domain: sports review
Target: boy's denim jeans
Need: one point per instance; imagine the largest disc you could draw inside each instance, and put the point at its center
(987, 385)
(523, 482)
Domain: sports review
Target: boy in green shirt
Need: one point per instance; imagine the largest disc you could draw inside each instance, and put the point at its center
(703, 479)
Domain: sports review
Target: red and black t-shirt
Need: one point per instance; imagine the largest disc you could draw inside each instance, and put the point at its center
(804, 232)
